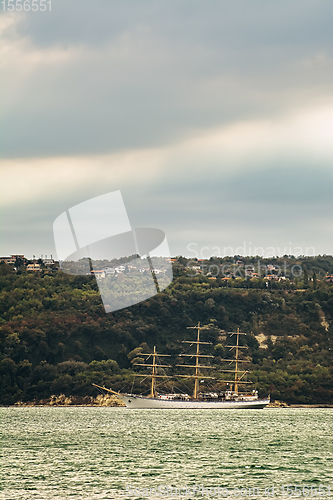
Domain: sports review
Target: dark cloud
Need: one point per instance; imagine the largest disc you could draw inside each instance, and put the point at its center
(191, 22)
(134, 74)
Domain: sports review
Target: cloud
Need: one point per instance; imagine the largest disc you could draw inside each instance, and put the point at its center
(128, 76)
(263, 181)
(213, 119)
(236, 153)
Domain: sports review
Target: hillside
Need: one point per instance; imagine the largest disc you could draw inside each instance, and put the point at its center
(56, 338)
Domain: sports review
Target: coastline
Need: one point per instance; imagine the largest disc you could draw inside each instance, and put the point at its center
(112, 401)
(283, 404)
(324, 405)
(62, 400)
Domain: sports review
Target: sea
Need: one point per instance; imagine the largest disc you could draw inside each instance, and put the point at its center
(84, 453)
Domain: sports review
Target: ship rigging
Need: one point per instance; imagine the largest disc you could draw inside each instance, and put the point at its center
(230, 398)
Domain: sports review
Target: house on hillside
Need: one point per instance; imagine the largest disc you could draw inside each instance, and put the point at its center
(271, 277)
(33, 267)
(110, 270)
(12, 259)
(48, 262)
(7, 260)
(98, 274)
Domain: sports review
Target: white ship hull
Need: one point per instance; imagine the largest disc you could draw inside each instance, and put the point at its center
(140, 402)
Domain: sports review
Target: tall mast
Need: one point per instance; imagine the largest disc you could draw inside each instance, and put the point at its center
(153, 375)
(236, 359)
(237, 380)
(196, 380)
(197, 366)
(154, 367)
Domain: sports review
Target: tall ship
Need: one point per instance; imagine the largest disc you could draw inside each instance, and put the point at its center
(232, 397)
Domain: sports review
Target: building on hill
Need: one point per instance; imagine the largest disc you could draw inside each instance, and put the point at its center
(33, 267)
(100, 274)
(110, 270)
(7, 260)
(12, 259)
(271, 277)
(48, 262)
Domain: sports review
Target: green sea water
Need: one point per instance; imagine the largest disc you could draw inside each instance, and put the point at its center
(115, 453)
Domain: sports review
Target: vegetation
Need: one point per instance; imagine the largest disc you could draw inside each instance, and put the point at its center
(56, 338)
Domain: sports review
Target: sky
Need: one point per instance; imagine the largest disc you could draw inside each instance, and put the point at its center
(214, 120)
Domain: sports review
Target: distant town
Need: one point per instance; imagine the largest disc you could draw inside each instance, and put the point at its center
(19, 261)
(288, 269)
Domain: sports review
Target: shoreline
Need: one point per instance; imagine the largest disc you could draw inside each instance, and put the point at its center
(74, 401)
(112, 401)
(283, 404)
(323, 405)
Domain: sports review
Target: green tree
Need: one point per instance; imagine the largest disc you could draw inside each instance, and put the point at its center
(306, 278)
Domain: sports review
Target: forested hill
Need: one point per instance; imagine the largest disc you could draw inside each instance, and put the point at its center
(56, 338)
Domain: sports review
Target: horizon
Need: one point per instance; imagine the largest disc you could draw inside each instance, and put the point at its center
(289, 256)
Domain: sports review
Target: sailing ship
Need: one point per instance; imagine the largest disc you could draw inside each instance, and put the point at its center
(230, 398)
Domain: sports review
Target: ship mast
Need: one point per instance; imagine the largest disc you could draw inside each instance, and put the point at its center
(237, 380)
(197, 366)
(154, 367)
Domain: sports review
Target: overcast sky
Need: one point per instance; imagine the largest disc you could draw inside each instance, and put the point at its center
(214, 119)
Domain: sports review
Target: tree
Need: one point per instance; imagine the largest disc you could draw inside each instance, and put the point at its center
(5, 269)
(19, 262)
(52, 327)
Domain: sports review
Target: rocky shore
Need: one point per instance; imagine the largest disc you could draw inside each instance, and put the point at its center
(277, 404)
(62, 400)
(282, 404)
